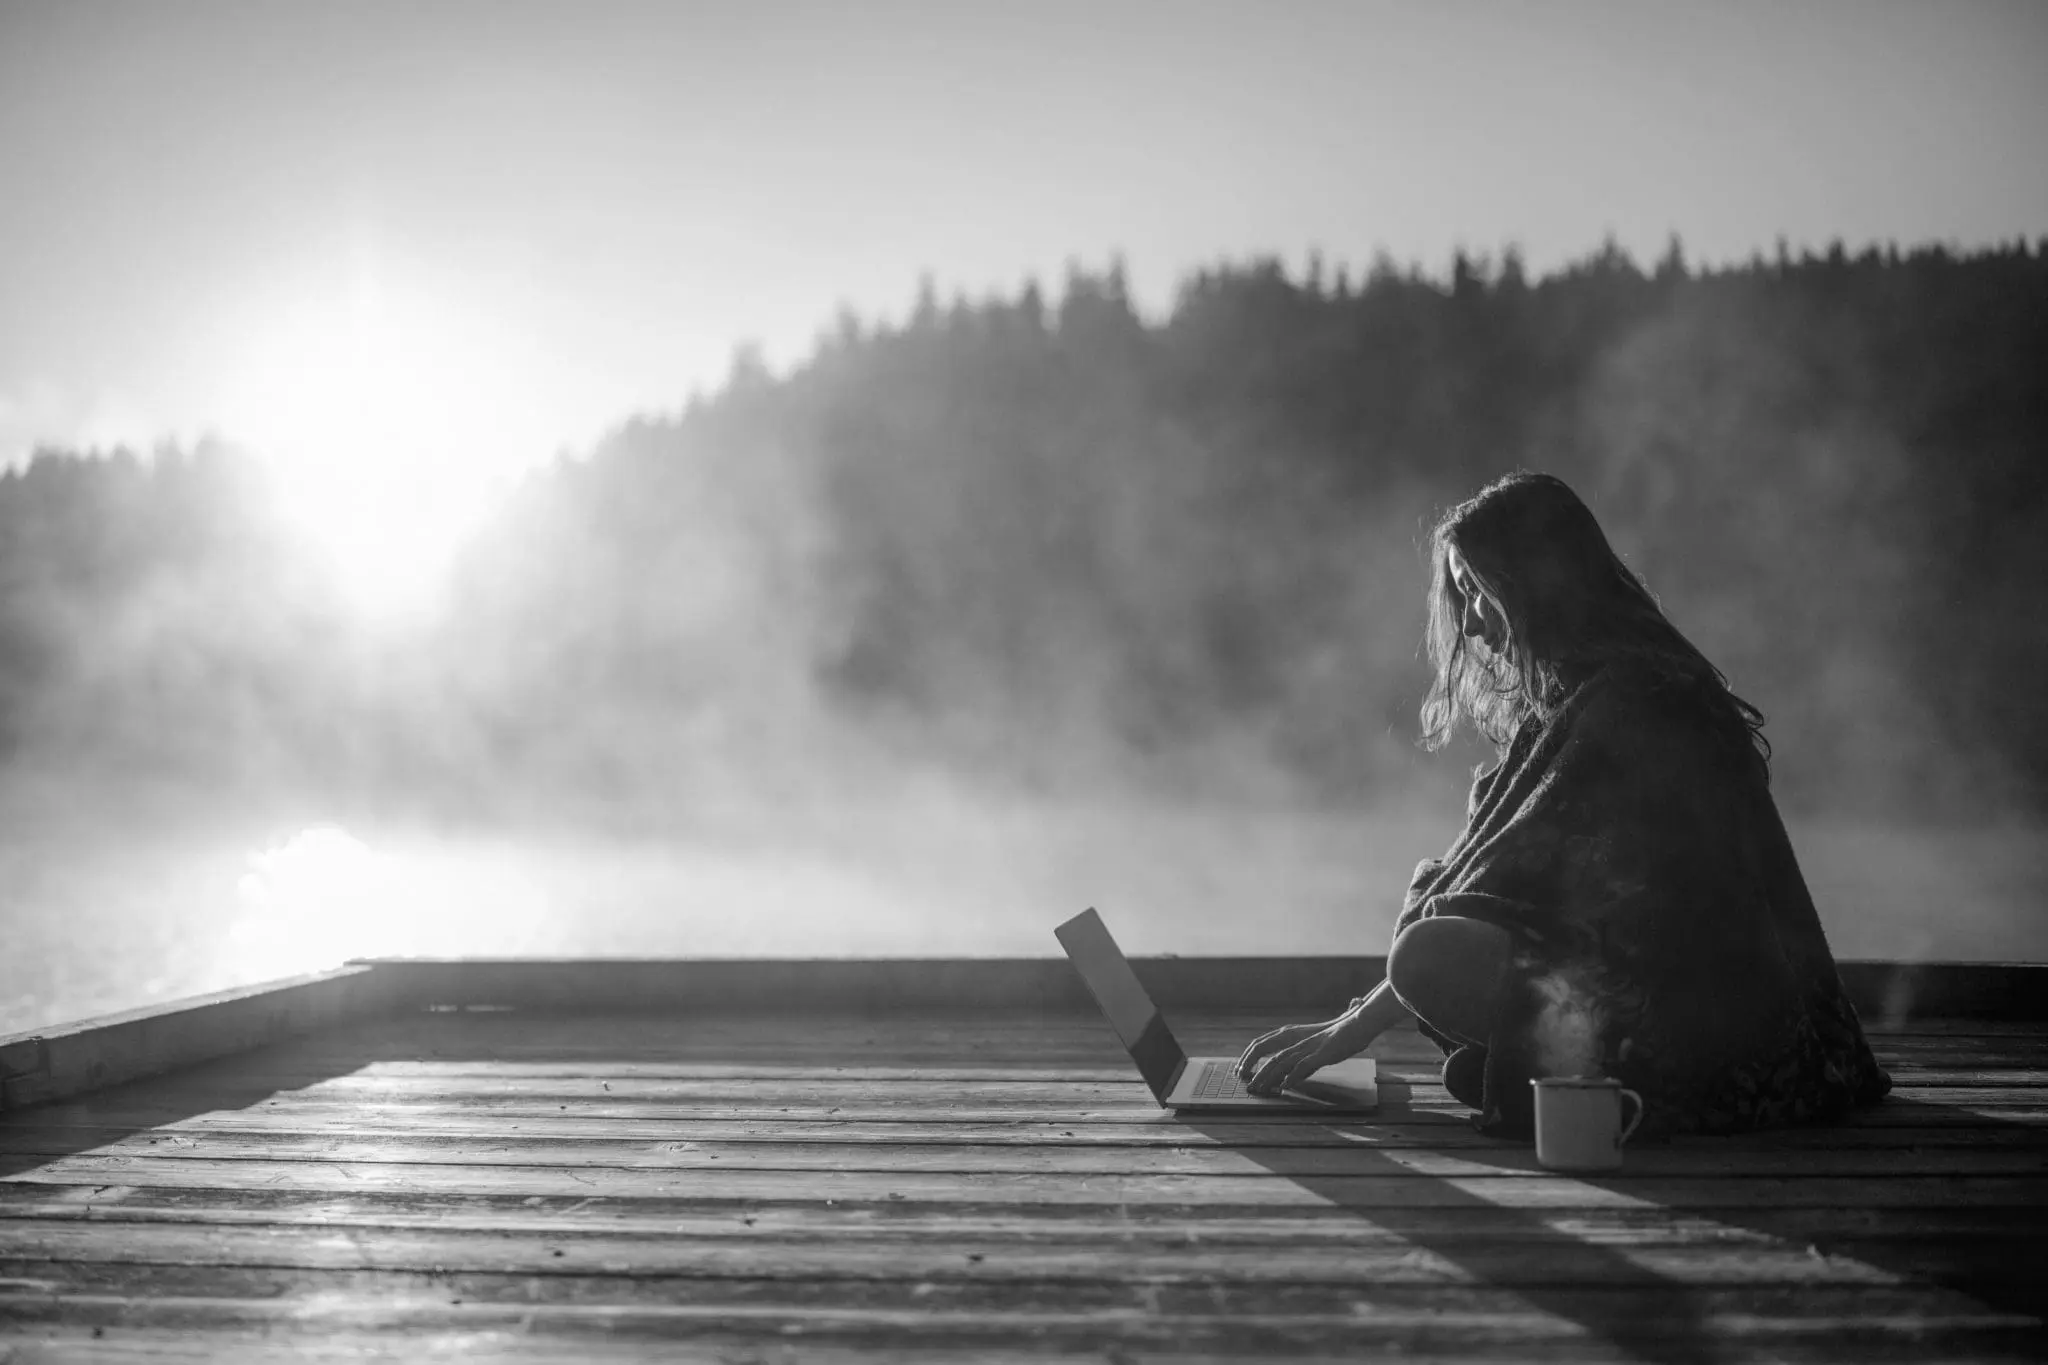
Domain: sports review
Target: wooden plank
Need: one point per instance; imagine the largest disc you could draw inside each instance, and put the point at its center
(1423, 1106)
(286, 1072)
(821, 1152)
(1429, 1110)
(879, 987)
(1937, 1026)
(586, 1043)
(60, 1344)
(72, 1126)
(542, 1342)
(1890, 992)
(1642, 1299)
(68, 1060)
(1737, 1257)
(717, 1064)
(1046, 1057)
(984, 1018)
(1893, 993)
(371, 1085)
(1391, 1182)
(970, 1025)
(711, 1346)
(1643, 1309)
(1224, 1224)
(824, 1152)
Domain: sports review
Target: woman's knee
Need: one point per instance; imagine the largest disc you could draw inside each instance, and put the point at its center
(1447, 970)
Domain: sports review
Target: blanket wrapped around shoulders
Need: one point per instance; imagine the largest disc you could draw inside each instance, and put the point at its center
(1663, 933)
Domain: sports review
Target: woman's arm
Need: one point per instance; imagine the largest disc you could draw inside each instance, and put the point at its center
(1376, 1011)
(1288, 1056)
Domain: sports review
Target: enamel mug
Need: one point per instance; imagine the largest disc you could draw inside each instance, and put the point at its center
(1578, 1122)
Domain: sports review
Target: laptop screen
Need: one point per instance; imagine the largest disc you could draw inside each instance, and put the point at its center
(1115, 986)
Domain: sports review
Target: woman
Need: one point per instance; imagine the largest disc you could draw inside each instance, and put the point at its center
(1623, 900)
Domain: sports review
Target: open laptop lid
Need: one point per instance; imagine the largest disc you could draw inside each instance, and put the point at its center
(1132, 1014)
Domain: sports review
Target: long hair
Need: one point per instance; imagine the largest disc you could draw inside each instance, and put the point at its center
(1571, 607)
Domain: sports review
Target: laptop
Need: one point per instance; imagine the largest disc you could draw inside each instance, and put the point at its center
(1178, 1081)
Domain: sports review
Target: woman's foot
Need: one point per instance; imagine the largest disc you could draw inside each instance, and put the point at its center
(1465, 1076)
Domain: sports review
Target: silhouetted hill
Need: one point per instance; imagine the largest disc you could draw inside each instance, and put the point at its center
(1055, 543)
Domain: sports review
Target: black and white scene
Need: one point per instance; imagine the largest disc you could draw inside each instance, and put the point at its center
(1155, 680)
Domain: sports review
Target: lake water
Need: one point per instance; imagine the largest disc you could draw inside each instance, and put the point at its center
(114, 913)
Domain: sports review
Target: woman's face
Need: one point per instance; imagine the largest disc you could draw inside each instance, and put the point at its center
(1478, 618)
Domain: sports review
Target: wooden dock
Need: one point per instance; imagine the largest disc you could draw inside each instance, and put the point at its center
(769, 1162)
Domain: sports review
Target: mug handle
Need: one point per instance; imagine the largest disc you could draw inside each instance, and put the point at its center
(1633, 1123)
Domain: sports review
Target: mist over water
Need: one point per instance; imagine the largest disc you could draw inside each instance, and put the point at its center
(1015, 608)
(105, 917)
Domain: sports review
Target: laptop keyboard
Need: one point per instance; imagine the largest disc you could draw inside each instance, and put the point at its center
(1218, 1081)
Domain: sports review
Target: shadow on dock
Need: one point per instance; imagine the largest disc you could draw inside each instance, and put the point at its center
(1994, 1259)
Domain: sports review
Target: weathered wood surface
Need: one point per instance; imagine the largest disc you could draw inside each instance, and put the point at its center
(1887, 993)
(537, 1187)
(71, 1059)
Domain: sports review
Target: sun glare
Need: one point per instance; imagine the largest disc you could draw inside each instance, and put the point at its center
(323, 895)
(316, 899)
(389, 424)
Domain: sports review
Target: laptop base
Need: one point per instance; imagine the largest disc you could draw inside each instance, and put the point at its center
(1347, 1087)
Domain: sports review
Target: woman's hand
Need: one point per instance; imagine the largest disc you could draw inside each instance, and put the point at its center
(1288, 1056)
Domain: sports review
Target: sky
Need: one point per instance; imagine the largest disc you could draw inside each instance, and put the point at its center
(507, 226)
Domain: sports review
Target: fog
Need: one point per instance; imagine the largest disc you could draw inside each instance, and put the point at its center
(1017, 606)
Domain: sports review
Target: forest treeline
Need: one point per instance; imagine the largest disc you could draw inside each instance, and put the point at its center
(1050, 541)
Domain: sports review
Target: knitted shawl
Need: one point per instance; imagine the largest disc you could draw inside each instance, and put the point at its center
(1663, 934)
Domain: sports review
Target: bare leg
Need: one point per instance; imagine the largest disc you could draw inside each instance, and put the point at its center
(1448, 970)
